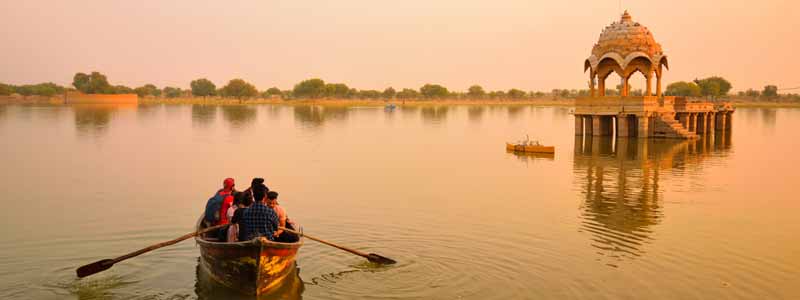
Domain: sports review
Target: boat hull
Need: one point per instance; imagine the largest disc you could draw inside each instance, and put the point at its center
(254, 267)
(531, 149)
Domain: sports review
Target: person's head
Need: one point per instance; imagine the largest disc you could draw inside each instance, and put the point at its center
(260, 192)
(228, 184)
(237, 198)
(244, 199)
(272, 198)
(256, 181)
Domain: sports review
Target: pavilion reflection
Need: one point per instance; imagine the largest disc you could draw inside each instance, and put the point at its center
(620, 184)
(239, 115)
(93, 119)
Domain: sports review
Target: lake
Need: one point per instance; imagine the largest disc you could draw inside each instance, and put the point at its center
(429, 186)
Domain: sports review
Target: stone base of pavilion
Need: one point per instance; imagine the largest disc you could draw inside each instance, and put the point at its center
(651, 117)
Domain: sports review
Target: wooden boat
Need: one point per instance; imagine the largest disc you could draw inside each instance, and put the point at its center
(530, 148)
(255, 267)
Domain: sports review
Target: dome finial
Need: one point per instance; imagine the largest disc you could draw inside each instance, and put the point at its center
(626, 17)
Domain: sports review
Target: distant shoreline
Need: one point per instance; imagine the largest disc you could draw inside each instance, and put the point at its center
(558, 102)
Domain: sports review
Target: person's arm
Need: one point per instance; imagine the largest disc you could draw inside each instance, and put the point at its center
(281, 220)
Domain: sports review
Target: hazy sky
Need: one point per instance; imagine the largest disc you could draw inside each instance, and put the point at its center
(372, 44)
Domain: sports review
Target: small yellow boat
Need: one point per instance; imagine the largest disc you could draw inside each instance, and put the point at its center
(530, 148)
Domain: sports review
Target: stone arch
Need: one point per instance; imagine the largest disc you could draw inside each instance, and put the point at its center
(641, 64)
(638, 55)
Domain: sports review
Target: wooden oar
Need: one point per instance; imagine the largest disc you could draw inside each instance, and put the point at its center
(372, 257)
(105, 264)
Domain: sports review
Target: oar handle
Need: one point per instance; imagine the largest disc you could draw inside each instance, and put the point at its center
(167, 243)
(356, 252)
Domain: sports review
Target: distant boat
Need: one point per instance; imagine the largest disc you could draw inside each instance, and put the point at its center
(389, 107)
(530, 148)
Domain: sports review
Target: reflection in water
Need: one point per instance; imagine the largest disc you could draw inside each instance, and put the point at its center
(769, 117)
(93, 119)
(314, 116)
(409, 111)
(203, 115)
(239, 115)
(619, 181)
(514, 111)
(531, 157)
(435, 114)
(147, 111)
(94, 288)
(207, 288)
(475, 113)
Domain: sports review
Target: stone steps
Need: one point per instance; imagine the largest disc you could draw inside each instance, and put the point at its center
(670, 128)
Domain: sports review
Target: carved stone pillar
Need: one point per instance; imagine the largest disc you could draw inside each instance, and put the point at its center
(578, 125)
(658, 85)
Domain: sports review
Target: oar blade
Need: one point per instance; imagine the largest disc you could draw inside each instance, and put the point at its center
(375, 258)
(95, 267)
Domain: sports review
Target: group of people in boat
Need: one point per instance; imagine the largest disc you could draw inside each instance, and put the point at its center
(252, 213)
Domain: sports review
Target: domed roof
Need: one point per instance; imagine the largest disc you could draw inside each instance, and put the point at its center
(623, 41)
(625, 37)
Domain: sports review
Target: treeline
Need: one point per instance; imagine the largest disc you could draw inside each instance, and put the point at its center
(96, 83)
(717, 87)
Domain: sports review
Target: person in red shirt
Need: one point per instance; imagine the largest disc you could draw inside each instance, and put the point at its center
(227, 191)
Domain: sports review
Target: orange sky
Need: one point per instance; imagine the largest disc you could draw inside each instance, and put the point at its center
(500, 44)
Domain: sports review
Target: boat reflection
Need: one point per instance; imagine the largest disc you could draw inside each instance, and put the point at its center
(93, 119)
(207, 288)
(620, 184)
(532, 156)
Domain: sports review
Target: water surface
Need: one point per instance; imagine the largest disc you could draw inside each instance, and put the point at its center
(431, 187)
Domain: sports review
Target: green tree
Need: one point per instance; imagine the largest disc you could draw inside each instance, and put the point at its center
(516, 94)
(369, 94)
(95, 83)
(389, 93)
(6, 89)
(46, 89)
(497, 95)
(433, 91)
(407, 94)
(336, 90)
(476, 92)
(203, 87)
(273, 91)
(172, 92)
(310, 88)
(24, 90)
(121, 89)
(714, 86)
(239, 89)
(147, 90)
(770, 92)
(752, 93)
(683, 88)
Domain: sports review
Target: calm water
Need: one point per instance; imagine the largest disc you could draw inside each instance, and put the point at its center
(431, 187)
